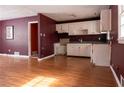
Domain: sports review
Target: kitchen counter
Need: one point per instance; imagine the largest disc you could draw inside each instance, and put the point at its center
(89, 42)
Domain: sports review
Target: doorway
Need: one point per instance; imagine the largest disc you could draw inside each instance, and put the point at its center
(33, 39)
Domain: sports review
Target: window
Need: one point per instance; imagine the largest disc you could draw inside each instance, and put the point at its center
(121, 24)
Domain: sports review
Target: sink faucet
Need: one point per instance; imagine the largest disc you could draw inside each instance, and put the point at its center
(81, 40)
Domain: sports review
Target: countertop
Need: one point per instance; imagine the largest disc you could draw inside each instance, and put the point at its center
(89, 42)
(84, 42)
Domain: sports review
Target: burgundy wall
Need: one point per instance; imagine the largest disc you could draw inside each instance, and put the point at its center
(46, 43)
(34, 37)
(20, 41)
(0, 37)
(117, 57)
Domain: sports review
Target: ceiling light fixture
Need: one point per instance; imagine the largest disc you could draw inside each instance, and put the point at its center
(73, 15)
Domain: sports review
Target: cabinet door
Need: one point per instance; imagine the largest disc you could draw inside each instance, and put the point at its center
(85, 50)
(94, 27)
(59, 28)
(65, 28)
(69, 49)
(77, 49)
(56, 47)
(105, 21)
(82, 50)
(78, 28)
(59, 49)
(90, 27)
(82, 28)
(88, 50)
(72, 28)
(72, 50)
(98, 26)
(101, 54)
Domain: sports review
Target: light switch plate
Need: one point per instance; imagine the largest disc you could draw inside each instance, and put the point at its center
(44, 35)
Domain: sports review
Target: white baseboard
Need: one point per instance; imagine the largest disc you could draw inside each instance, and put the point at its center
(25, 56)
(115, 76)
(12, 55)
(47, 57)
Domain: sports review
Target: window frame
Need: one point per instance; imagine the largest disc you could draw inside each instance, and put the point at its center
(120, 14)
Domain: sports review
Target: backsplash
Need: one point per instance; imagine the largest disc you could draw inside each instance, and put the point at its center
(64, 41)
(100, 37)
(77, 38)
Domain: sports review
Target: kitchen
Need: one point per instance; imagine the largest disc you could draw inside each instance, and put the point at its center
(89, 38)
(74, 47)
(62, 44)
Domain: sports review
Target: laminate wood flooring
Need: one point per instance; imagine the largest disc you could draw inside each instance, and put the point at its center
(59, 71)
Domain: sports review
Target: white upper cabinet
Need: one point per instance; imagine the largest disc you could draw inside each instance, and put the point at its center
(94, 27)
(84, 28)
(62, 28)
(76, 28)
(79, 28)
(58, 28)
(98, 26)
(65, 28)
(72, 28)
(105, 20)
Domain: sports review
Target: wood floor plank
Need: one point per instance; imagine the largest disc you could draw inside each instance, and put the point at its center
(59, 71)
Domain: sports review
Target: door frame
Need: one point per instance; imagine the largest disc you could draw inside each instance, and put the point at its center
(29, 36)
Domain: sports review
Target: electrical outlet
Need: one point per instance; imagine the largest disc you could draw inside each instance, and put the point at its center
(16, 53)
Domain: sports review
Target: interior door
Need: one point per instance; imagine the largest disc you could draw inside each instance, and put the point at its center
(34, 39)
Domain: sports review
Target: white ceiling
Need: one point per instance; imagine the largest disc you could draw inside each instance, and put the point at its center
(56, 12)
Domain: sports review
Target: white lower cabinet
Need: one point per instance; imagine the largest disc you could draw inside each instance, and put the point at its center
(83, 50)
(59, 49)
(72, 49)
(101, 54)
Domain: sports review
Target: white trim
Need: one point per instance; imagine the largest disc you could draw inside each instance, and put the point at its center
(29, 36)
(47, 57)
(120, 39)
(115, 76)
(118, 23)
(12, 55)
(121, 77)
